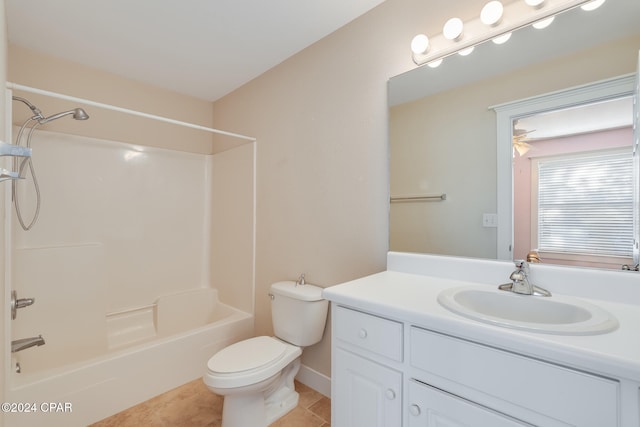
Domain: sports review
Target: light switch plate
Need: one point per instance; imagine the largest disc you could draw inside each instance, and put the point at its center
(490, 220)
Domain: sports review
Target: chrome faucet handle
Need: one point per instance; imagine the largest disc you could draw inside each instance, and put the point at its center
(17, 303)
(520, 282)
(300, 280)
(522, 265)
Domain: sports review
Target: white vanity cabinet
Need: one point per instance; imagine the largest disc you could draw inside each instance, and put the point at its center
(366, 382)
(391, 373)
(401, 358)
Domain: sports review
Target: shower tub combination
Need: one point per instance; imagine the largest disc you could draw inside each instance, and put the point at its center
(118, 268)
(150, 349)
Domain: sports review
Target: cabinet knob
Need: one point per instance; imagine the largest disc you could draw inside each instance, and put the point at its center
(390, 394)
(414, 410)
(362, 333)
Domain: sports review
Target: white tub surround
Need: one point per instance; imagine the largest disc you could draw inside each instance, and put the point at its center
(125, 265)
(417, 360)
(146, 352)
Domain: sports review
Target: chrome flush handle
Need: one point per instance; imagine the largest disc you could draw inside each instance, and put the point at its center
(300, 280)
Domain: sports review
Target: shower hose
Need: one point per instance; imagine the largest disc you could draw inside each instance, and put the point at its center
(21, 168)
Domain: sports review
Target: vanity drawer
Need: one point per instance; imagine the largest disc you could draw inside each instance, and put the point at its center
(430, 406)
(547, 394)
(372, 333)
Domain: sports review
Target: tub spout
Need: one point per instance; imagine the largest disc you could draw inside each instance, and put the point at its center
(23, 344)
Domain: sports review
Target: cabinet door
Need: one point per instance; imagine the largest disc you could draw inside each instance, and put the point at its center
(431, 407)
(365, 394)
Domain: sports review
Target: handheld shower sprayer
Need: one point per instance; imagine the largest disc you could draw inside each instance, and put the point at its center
(32, 123)
(78, 114)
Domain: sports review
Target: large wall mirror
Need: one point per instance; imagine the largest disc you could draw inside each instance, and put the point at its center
(447, 179)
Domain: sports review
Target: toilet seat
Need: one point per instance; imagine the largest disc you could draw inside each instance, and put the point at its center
(249, 361)
(246, 355)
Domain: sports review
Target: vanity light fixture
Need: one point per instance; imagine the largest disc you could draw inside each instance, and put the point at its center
(496, 22)
(452, 29)
(491, 13)
(420, 44)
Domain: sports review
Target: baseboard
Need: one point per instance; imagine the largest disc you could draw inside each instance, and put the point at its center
(314, 379)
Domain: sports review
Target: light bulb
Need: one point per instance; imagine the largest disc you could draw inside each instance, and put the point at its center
(501, 39)
(592, 5)
(420, 44)
(534, 3)
(434, 64)
(491, 13)
(543, 24)
(452, 29)
(466, 51)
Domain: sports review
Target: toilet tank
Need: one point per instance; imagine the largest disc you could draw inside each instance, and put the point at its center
(298, 312)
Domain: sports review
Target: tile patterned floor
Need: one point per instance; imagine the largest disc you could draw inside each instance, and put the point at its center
(193, 405)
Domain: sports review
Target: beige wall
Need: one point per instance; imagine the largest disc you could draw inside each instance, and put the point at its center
(232, 226)
(322, 167)
(31, 68)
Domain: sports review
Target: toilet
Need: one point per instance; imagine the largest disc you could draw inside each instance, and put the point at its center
(255, 376)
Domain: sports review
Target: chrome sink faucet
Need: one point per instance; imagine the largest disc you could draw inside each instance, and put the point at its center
(520, 283)
(520, 278)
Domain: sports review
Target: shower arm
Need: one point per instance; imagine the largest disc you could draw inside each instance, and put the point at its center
(37, 113)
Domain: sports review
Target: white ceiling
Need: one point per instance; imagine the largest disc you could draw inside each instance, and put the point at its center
(202, 48)
(610, 114)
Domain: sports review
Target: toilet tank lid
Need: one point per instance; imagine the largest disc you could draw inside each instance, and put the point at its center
(306, 292)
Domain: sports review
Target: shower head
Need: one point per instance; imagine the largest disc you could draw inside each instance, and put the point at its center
(78, 114)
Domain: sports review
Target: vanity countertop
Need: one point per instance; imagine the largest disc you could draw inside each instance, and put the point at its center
(412, 298)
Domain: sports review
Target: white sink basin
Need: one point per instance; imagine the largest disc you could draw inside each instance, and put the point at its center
(551, 315)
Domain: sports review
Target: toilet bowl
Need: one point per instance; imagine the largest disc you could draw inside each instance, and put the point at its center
(256, 376)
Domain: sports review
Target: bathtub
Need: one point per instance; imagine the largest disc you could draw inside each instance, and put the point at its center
(149, 350)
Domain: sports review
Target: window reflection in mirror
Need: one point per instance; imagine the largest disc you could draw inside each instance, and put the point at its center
(573, 185)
